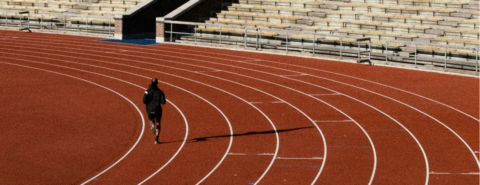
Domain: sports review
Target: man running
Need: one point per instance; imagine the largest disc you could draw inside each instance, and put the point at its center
(152, 98)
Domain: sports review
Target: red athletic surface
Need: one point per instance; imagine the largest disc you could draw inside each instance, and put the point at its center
(61, 125)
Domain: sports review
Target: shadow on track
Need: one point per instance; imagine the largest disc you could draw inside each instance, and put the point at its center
(200, 139)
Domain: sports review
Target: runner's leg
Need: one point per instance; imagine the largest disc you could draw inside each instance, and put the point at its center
(158, 126)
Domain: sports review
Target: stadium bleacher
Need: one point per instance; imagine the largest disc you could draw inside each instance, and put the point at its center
(76, 15)
(404, 26)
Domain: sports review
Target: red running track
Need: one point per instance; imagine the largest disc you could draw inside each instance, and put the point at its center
(73, 115)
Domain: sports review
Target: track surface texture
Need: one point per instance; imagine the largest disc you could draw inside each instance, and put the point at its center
(72, 114)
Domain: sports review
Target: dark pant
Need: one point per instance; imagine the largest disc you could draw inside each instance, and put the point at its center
(156, 117)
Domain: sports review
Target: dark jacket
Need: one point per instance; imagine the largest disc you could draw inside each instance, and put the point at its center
(152, 98)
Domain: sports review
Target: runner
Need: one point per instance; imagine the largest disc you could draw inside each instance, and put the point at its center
(152, 98)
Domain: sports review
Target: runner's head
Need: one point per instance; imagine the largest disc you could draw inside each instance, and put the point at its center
(154, 81)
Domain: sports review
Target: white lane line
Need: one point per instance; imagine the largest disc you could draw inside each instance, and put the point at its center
(300, 158)
(253, 60)
(212, 71)
(237, 154)
(409, 106)
(381, 112)
(138, 110)
(330, 94)
(372, 147)
(176, 153)
(293, 75)
(231, 131)
(266, 154)
(117, 51)
(476, 158)
(332, 121)
(171, 159)
(450, 173)
(189, 52)
(228, 122)
(272, 102)
(284, 158)
(256, 59)
(422, 97)
(323, 138)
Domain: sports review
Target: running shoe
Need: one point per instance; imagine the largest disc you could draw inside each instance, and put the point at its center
(152, 126)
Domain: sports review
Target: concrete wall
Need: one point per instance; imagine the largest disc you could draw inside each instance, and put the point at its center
(192, 11)
(140, 22)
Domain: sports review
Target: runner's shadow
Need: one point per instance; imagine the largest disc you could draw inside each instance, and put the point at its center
(200, 139)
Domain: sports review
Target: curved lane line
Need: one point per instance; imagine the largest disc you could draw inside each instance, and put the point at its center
(373, 148)
(179, 149)
(186, 123)
(441, 123)
(156, 50)
(323, 138)
(231, 131)
(325, 71)
(141, 115)
(213, 87)
(416, 109)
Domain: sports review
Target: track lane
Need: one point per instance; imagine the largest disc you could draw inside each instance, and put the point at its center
(435, 120)
(91, 143)
(325, 68)
(304, 74)
(129, 178)
(447, 127)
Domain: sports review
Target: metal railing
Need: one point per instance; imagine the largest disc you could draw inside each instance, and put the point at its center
(251, 37)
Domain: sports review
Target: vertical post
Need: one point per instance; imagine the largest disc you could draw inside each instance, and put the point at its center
(86, 25)
(109, 25)
(313, 53)
(341, 45)
(476, 59)
(41, 21)
(415, 55)
(260, 38)
(386, 53)
(256, 40)
(64, 22)
(245, 38)
(286, 45)
(171, 32)
(160, 29)
(370, 51)
(358, 49)
(195, 34)
(445, 67)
